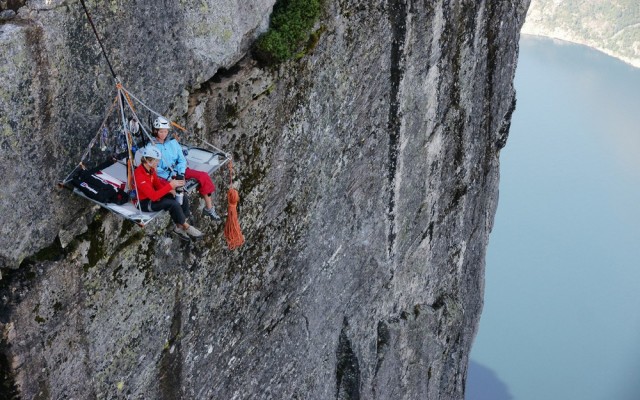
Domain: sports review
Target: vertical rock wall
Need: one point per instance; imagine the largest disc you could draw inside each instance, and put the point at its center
(57, 88)
(368, 171)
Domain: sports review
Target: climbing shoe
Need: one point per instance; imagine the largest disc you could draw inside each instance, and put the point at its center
(182, 234)
(211, 213)
(193, 232)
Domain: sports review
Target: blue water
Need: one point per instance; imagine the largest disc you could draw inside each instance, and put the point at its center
(562, 297)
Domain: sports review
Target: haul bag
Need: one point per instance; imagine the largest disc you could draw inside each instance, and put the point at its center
(98, 189)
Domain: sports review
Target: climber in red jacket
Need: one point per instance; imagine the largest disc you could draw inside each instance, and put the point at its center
(155, 194)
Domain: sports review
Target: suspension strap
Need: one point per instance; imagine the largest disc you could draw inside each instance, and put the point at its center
(126, 94)
(230, 173)
(177, 125)
(95, 31)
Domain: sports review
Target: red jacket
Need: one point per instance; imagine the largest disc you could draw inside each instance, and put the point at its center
(148, 185)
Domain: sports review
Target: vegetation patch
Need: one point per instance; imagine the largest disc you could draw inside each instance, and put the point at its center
(289, 28)
(314, 38)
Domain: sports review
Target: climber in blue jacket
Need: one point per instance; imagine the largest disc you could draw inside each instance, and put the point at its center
(173, 163)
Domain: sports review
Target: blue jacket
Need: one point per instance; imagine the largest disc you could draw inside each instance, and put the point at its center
(173, 161)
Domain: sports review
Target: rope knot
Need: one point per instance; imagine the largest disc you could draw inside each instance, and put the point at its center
(233, 197)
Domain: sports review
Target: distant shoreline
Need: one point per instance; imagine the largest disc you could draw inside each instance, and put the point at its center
(631, 62)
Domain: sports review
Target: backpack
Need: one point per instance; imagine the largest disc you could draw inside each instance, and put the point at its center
(98, 189)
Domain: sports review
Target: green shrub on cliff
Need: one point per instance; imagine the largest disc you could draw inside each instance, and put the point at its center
(290, 25)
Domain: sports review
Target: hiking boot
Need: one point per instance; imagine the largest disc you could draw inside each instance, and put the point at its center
(211, 213)
(182, 234)
(193, 231)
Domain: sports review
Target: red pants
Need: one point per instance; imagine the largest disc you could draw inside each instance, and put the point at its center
(204, 180)
(206, 185)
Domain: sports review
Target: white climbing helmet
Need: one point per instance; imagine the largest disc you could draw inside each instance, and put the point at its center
(151, 152)
(161, 123)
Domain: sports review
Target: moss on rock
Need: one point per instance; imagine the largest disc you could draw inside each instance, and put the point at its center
(290, 26)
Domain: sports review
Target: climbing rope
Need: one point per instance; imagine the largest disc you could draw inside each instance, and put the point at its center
(232, 232)
(95, 31)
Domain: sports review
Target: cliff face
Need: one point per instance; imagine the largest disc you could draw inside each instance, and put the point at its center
(368, 172)
(57, 87)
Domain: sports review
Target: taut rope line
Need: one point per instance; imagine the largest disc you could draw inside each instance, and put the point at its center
(95, 31)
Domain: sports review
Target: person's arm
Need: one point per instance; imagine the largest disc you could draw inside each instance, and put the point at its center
(181, 162)
(174, 183)
(146, 189)
(162, 169)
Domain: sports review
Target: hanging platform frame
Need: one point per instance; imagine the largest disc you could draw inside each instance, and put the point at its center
(117, 155)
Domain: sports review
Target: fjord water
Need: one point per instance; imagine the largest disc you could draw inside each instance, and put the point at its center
(561, 318)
